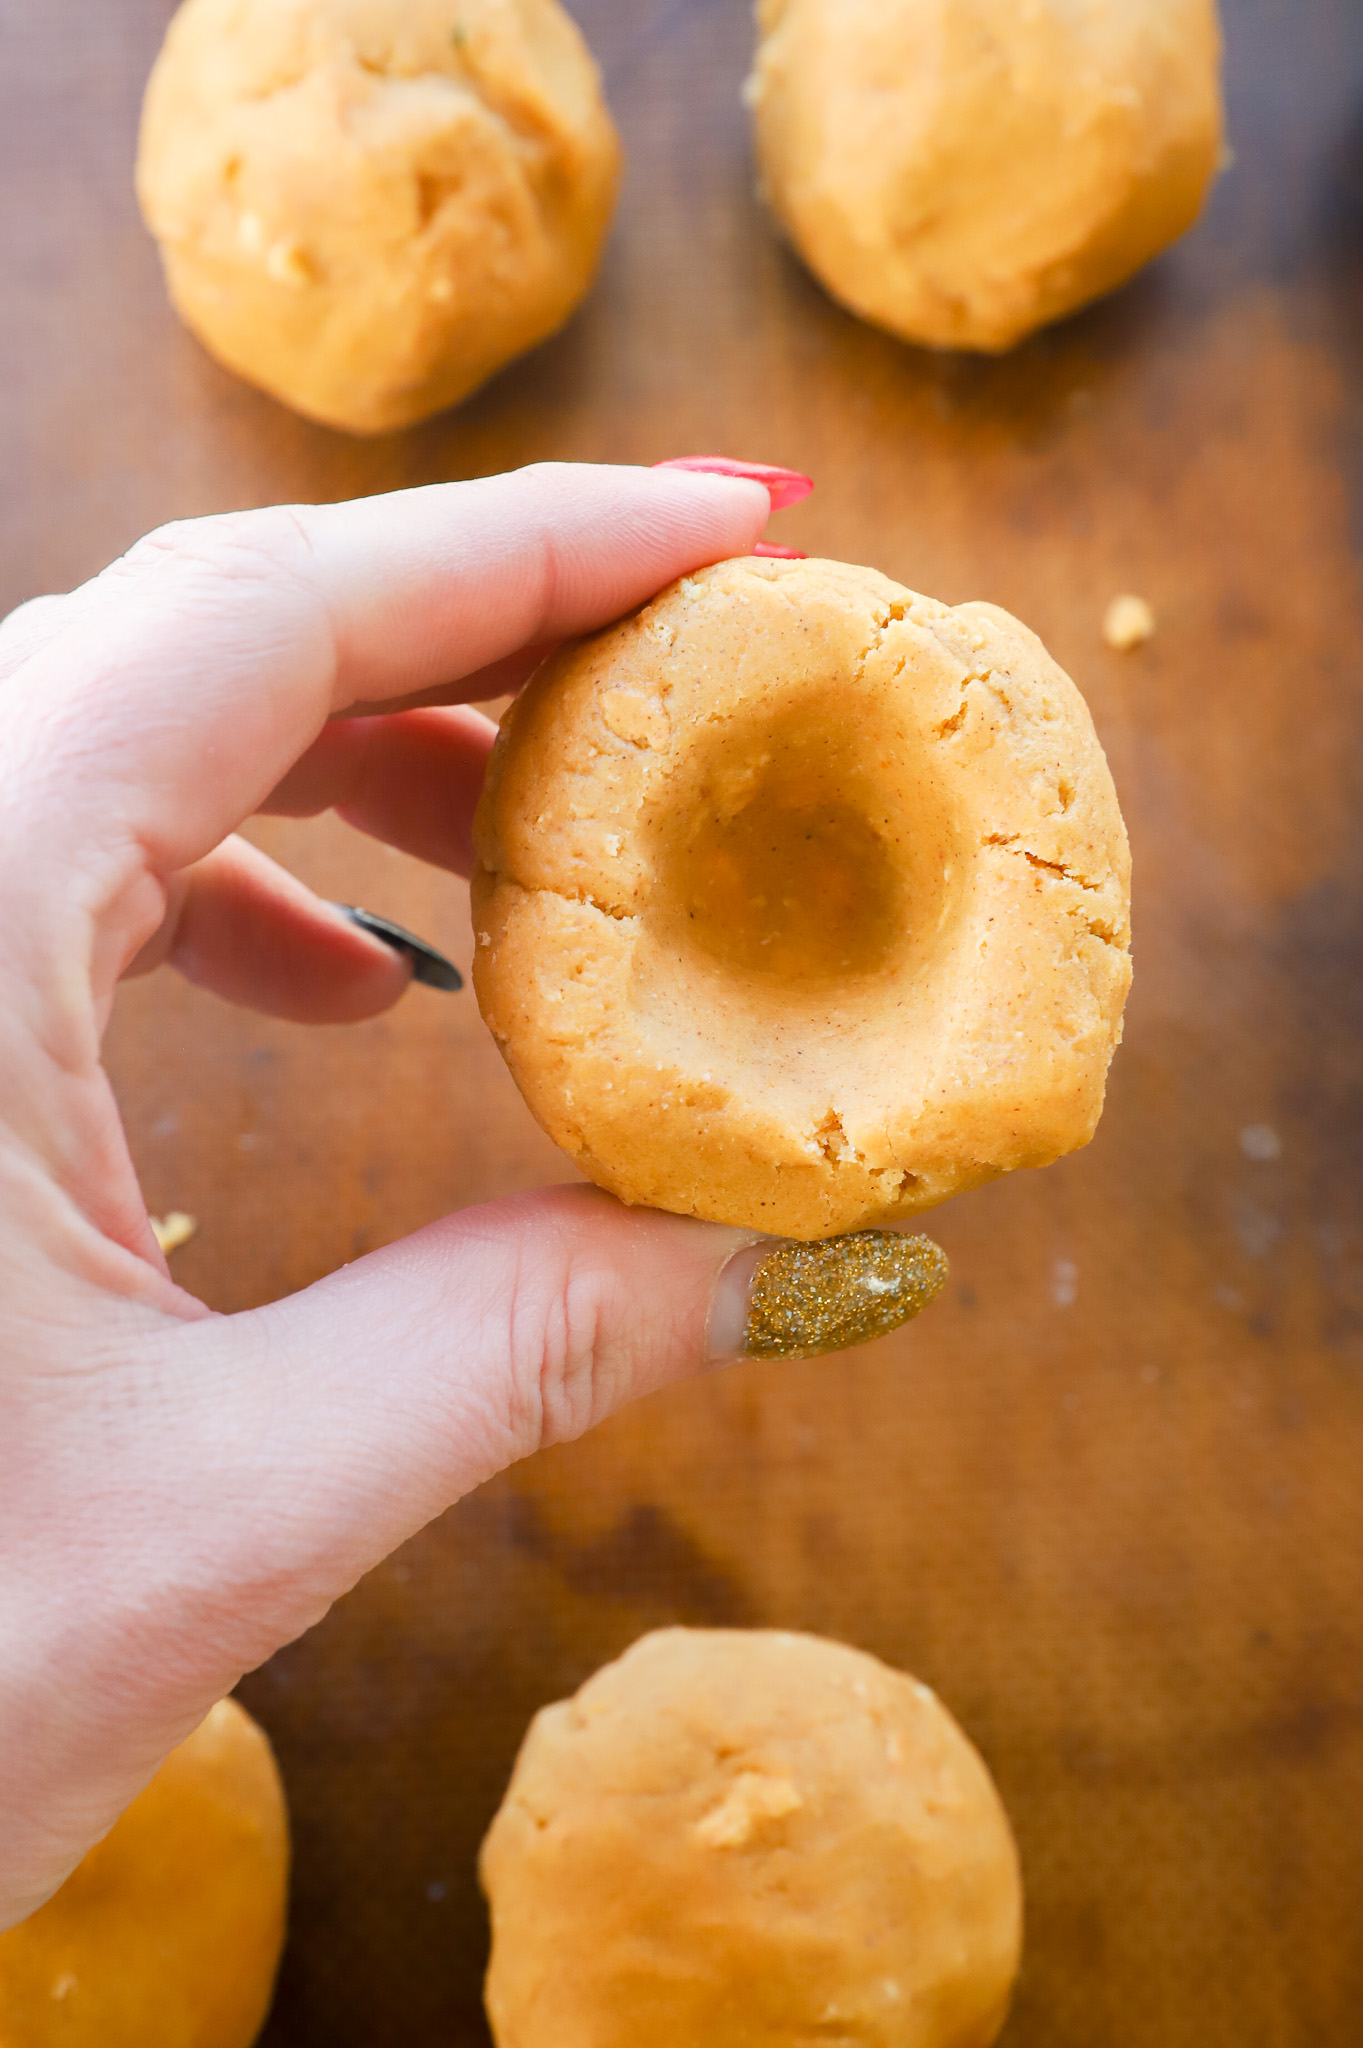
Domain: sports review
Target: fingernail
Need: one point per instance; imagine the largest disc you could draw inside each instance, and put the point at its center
(783, 486)
(790, 1300)
(430, 968)
(771, 553)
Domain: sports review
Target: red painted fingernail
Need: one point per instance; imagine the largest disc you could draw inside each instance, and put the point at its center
(775, 554)
(783, 486)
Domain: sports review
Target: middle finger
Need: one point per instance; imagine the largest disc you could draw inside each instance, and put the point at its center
(411, 780)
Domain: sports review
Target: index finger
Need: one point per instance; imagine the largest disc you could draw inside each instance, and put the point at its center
(165, 716)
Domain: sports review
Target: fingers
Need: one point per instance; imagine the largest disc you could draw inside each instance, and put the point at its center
(412, 781)
(262, 1463)
(417, 579)
(156, 723)
(498, 679)
(239, 924)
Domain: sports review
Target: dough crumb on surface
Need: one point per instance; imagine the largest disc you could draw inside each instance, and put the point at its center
(1128, 623)
(174, 1230)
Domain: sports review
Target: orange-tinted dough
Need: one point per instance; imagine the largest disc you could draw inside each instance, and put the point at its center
(962, 171)
(169, 1933)
(369, 206)
(803, 901)
(749, 1839)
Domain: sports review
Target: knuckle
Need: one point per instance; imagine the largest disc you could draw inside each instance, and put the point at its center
(232, 544)
(560, 1354)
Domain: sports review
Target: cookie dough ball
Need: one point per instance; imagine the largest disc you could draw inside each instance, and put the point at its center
(739, 1838)
(963, 171)
(803, 900)
(368, 206)
(169, 1933)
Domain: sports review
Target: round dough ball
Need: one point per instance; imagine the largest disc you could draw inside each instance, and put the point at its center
(738, 1837)
(803, 900)
(169, 1933)
(368, 206)
(963, 171)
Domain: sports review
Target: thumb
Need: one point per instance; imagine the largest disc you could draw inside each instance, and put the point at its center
(401, 1382)
(249, 1469)
(230, 1477)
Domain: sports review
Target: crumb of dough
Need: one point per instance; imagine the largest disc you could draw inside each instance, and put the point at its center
(174, 1230)
(1128, 622)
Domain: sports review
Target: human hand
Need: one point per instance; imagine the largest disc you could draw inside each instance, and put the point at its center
(181, 1492)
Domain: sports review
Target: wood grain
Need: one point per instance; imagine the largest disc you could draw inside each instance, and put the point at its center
(1108, 1496)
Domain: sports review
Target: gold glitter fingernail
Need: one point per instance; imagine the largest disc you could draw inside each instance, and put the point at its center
(808, 1299)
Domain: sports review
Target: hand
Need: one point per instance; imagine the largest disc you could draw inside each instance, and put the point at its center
(181, 1492)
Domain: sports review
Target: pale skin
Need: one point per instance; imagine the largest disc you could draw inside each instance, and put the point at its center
(182, 1492)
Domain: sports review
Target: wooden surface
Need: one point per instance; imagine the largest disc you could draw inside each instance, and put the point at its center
(1108, 1495)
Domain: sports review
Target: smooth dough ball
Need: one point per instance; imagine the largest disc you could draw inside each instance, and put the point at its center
(169, 1933)
(803, 900)
(368, 206)
(733, 1838)
(963, 171)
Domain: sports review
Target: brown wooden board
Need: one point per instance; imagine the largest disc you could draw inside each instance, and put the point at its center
(1108, 1496)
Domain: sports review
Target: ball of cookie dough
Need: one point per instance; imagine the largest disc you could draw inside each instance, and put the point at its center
(368, 206)
(803, 900)
(737, 1838)
(169, 1933)
(963, 171)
